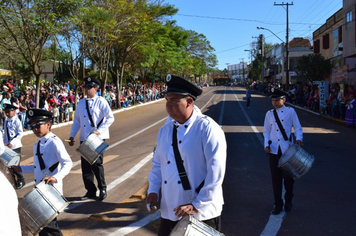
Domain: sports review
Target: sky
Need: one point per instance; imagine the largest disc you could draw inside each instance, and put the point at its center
(231, 25)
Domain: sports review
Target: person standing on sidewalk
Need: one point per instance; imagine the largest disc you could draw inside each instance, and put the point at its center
(189, 162)
(248, 97)
(92, 115)
(276, 142)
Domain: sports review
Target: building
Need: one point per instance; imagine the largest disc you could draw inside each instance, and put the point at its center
(349, 41)
(238, 72)
(48, 70)
(276, 61)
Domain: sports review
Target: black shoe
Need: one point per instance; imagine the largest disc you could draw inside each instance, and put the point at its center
(103, 194)
(288, 206)
(88, 196)
(276, 210)
(20, 183)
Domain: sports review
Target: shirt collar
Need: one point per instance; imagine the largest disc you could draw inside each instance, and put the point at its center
(189, 121)
(46, 137)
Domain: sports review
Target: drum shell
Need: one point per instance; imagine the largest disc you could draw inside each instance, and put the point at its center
(296, 162)
(10, 157)
(189, 226)
(40, 206)
(92, 148)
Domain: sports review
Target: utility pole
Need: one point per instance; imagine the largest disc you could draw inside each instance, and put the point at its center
(243, 69)
(287, 41)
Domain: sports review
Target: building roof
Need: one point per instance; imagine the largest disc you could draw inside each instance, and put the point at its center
(299, 42)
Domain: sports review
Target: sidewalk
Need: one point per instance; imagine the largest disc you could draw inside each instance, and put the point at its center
(27, 132)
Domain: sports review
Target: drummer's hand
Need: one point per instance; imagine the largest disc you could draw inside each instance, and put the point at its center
(9, 145)
(152, 200)
(267, 149)
(71, 143)
(15, 168)
(96, 132)
(184, 210)
(49, 180)
(300, 143)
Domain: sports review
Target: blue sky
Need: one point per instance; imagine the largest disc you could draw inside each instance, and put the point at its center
(230, 25)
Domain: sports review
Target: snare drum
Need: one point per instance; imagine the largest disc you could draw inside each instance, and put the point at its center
(92, 148)
(10, 157)
(189, 226)
(40, 206)
(296, 161)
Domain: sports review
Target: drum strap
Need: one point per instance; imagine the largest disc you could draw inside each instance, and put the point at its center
(90, 118)
(179, 162)
(280, 125)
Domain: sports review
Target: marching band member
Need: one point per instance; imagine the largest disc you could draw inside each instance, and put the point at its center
(51, 159)
(13, 133)
(92, 115)
(276, 142)
(189, 162)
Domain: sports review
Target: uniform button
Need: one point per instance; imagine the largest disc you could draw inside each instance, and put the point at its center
(282, 120)
(278, 139)
(186, 126)
(35, 180)
(34, 167)
(84, 116)
(180, 141)
(84, 125)
(165, 181)
(168, 162)
(277, 129)
(179, 182)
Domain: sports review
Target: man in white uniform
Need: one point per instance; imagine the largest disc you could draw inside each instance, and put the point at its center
(276, 143)
(198, 145)
(92, 115)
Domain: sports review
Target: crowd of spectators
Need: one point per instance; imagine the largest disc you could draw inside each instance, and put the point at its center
(59, 97)
(307, 96)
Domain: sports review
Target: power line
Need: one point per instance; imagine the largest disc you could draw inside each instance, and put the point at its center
(236, 19)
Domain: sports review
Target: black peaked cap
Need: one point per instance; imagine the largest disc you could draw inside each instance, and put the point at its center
(9, 107)
(276, 93)
(38, 115)
(91, 81)
(178, 85)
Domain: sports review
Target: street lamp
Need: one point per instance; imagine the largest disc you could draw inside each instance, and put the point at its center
(287, 54)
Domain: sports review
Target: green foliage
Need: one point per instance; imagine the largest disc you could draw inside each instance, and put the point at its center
(313, 67)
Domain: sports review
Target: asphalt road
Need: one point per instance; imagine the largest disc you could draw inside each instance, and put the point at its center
(324, 197)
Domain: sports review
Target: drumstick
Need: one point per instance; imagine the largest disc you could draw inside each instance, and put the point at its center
(68, 140)
(269, 144)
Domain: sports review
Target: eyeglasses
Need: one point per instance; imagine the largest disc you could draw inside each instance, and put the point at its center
(37, 125)
(176, 99)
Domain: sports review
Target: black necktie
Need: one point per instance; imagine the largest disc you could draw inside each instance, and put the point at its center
(7, 131)
(181, 170)
(39, 155)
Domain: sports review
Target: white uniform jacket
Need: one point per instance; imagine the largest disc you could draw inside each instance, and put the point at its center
(99, 109)
(202, 146)
(14, 127)
(9, 217)
(289, 119)
(53, 151)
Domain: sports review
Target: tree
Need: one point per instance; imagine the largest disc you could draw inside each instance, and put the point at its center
(29, 25)
(313, 67)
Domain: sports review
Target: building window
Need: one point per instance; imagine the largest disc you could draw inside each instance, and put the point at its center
(348, 19)
(317, 46)
(326, 41)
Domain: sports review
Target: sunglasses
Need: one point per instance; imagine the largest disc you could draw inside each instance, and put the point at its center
(37, 125)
